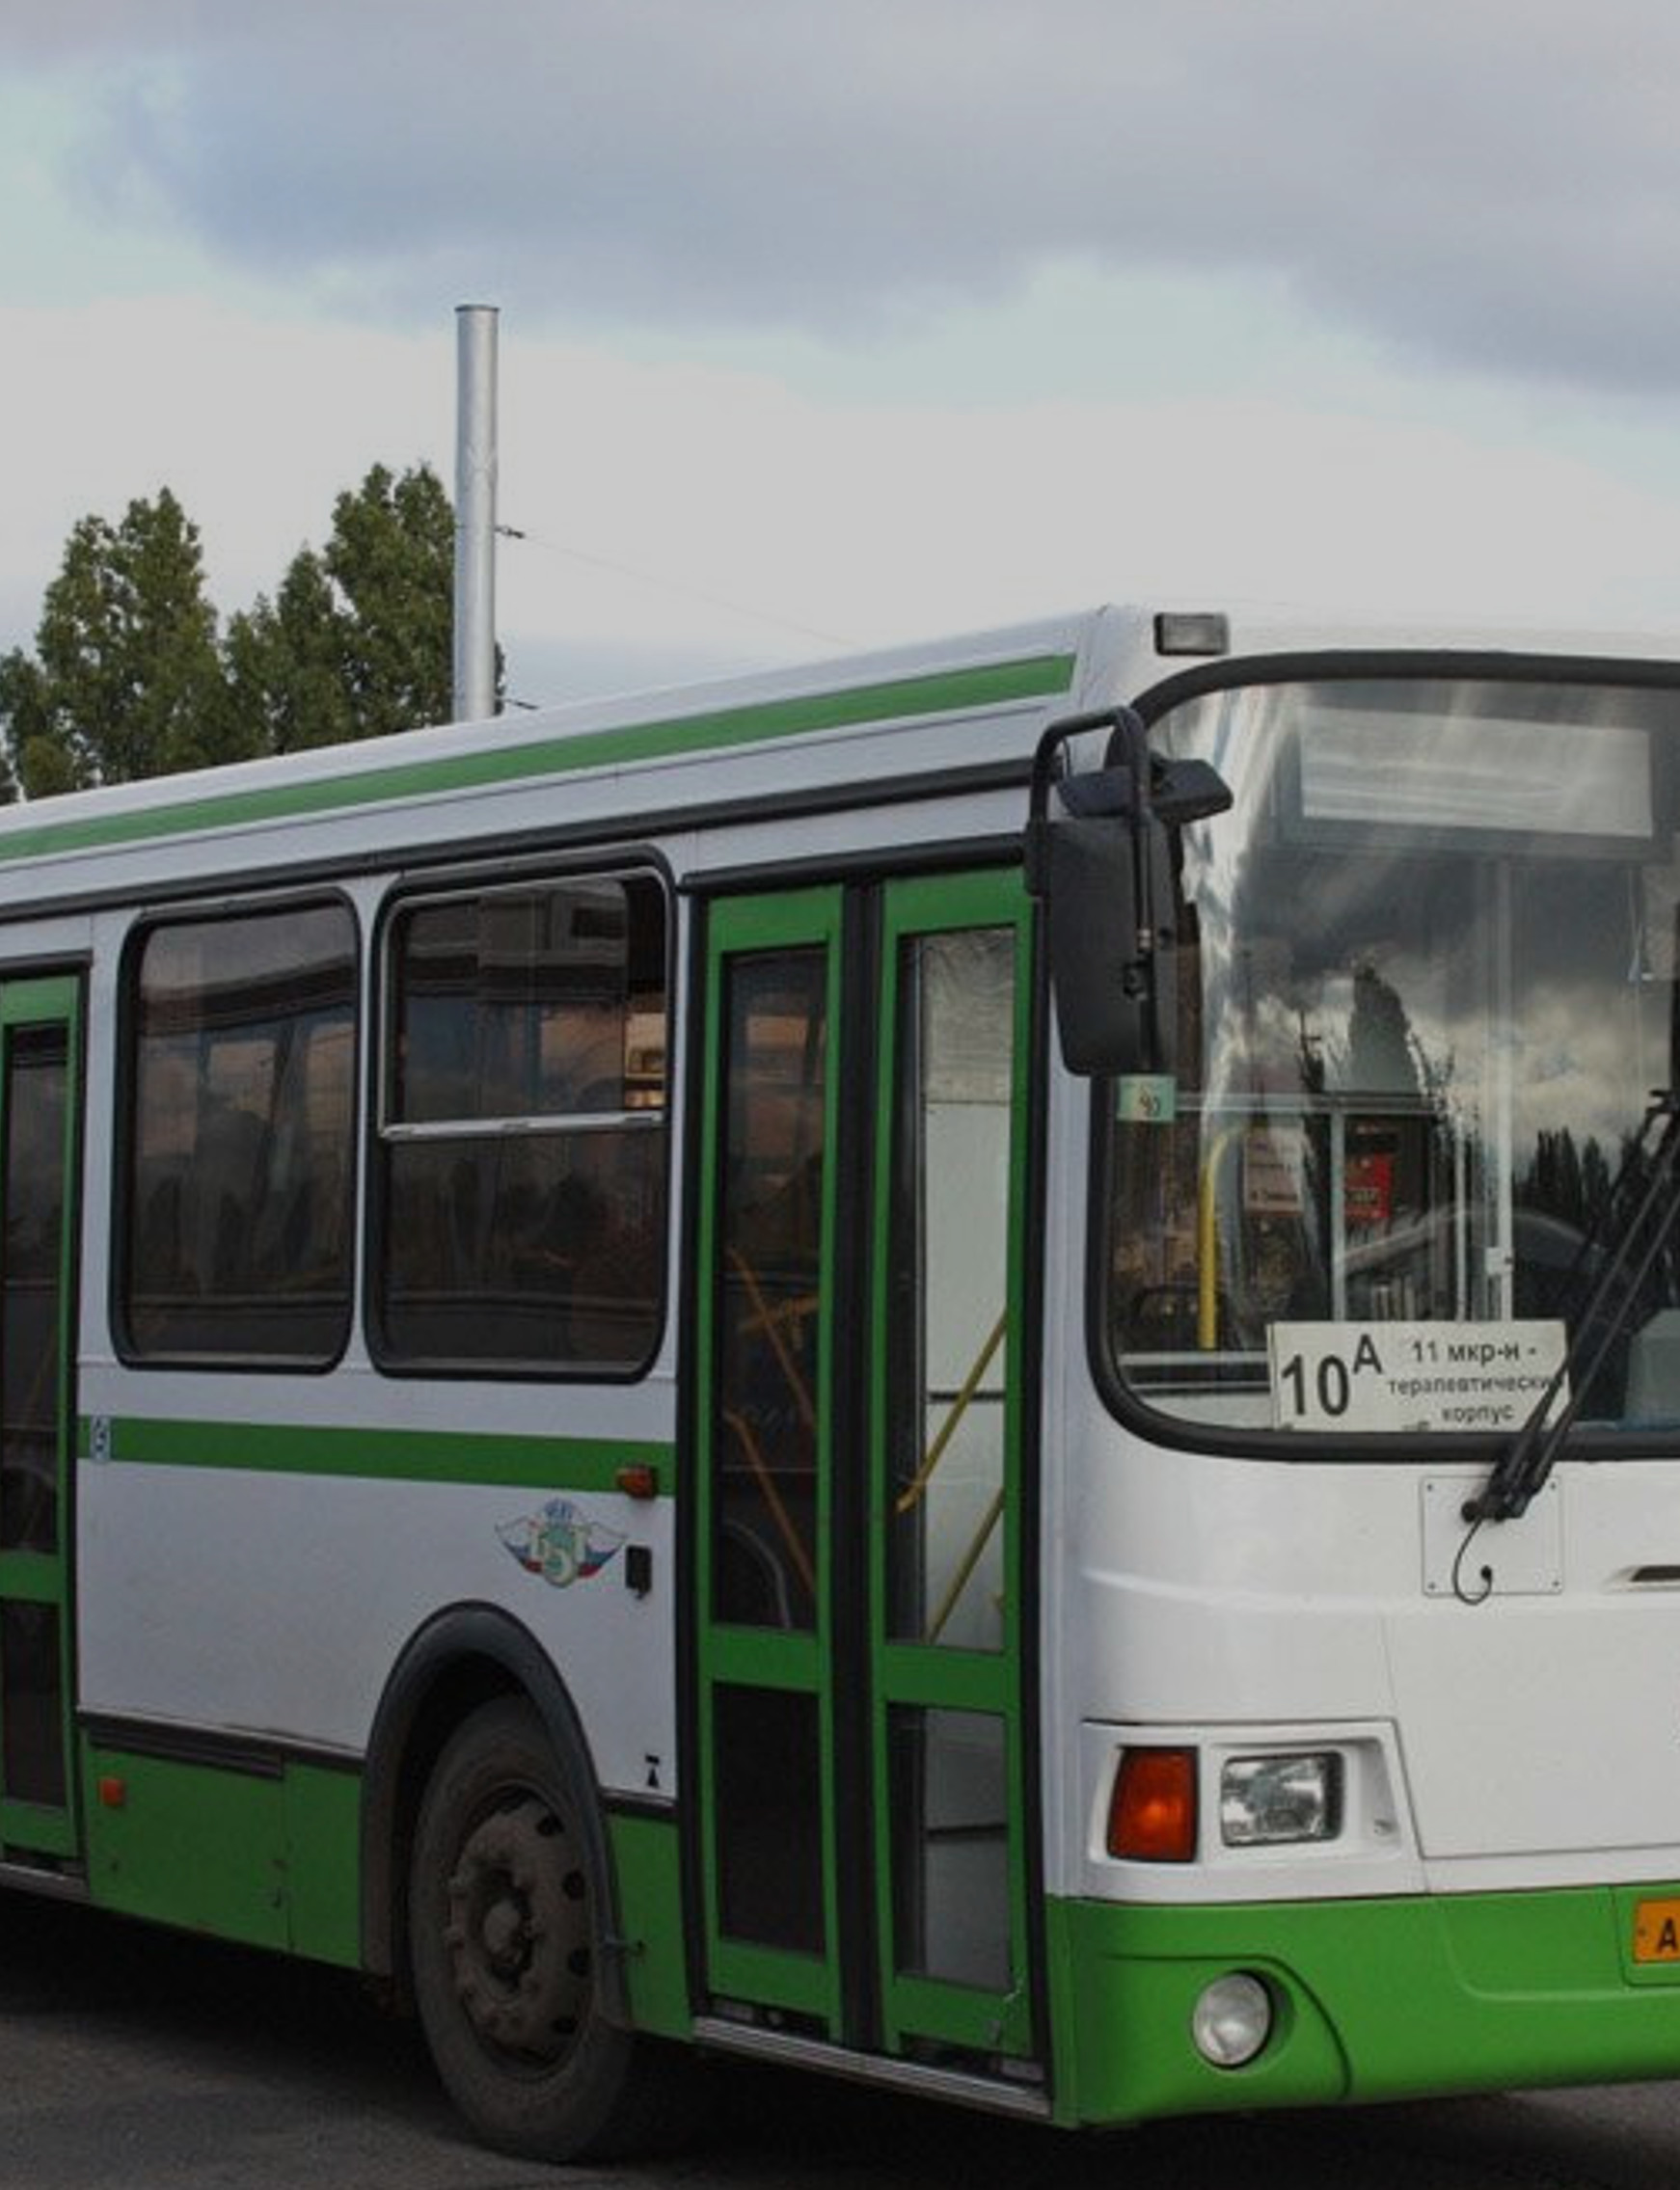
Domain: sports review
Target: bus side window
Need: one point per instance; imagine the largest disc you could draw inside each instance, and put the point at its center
(522, 1139)
(237, 1239)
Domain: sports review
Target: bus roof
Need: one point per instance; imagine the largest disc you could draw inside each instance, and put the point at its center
(649, 760)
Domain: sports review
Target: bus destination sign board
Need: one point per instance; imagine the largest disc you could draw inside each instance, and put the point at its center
(1412, 1375)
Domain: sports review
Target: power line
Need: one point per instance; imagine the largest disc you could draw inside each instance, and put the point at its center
(676, 585)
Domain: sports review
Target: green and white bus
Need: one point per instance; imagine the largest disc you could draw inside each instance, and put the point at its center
(963, 1369)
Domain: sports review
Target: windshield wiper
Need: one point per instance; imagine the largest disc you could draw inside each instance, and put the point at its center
(1521, 1471)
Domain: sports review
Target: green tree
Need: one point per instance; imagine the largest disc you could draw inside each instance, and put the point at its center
(286, 663)
(129, 677)
(357, 641)
(126, 679)
(392, 556)
(21, 713)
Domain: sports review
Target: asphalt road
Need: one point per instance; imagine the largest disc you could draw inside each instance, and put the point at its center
(132, 2059)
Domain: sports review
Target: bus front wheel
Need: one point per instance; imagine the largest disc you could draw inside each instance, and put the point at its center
(503, 1920)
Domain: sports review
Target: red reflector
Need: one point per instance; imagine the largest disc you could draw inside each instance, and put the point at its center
(113, 1793)
(1151, 1814)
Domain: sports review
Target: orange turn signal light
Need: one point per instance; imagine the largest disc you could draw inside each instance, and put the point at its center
(1152, 1813)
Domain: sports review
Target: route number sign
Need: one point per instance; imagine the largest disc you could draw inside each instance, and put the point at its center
(1413, 1376)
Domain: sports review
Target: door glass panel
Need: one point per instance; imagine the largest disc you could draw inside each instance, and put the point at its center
(32, 1742)
(768, 1276)
(770, 1826)
(35, 1093)
(949, 1824)
(948, 1276)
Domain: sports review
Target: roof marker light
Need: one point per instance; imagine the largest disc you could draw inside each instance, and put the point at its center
(1182, 630)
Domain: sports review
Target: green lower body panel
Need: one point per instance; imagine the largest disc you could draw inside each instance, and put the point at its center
(1373, 1999)
(268, 1857)
(646, 1860)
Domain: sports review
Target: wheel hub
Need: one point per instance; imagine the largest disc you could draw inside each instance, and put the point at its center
(518, 1932)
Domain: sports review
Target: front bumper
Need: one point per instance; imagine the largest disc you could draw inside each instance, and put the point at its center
(1375, 1999)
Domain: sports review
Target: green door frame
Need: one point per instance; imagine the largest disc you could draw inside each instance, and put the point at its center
(824, 1989)
(756, 1658)
(43, 1576)
(928, 1675)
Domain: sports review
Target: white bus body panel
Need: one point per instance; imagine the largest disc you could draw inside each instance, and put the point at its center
(275, 1606)
(1258, 1602)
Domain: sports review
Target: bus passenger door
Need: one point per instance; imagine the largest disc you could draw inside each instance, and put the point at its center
(765, 1355)
(952, 1797)
(39, 1082)
(859, 1342)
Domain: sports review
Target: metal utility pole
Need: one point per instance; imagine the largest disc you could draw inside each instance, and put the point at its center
(476, 329)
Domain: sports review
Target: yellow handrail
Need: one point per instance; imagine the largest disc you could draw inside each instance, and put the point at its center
(916, 1488)
(1207, 1243)
(960, 1579)
(767, 1320)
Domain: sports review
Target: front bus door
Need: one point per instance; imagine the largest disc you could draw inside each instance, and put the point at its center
(858, 1430)
(39, 1076)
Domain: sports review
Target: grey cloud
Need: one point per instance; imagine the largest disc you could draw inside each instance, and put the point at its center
(67, 32)
(1493, 184)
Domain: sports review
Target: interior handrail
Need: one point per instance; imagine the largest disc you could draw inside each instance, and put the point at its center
(959, 1581)
(916, 1488)
(767, 1321)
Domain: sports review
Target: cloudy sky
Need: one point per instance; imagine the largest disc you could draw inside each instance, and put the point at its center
(826, 326)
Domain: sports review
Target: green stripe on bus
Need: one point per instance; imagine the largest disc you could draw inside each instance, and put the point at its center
(394, 1455)
(1035, 677)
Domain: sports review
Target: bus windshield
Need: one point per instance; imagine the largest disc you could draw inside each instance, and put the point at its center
(1425, 990)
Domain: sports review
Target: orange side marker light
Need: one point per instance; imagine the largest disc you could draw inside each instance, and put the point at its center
(1152, 1813)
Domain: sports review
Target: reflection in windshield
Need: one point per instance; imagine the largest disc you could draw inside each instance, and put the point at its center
(1426, 975)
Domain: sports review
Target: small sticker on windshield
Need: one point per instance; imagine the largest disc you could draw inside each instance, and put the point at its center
(1147, 1099)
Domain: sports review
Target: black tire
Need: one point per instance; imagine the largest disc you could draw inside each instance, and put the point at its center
(505, 1919)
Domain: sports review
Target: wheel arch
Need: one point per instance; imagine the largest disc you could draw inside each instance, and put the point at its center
(466, 1656)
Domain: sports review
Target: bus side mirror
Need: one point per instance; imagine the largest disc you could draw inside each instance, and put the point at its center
(1107, 891)
(1103, 867)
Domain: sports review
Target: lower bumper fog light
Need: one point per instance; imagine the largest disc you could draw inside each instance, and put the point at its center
(1232, 2021)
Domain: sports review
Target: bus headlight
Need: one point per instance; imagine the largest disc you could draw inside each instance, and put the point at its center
(1232, 2021)
(1265, 1802)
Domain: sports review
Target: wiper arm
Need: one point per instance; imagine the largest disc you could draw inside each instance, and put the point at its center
(1521, 1471)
